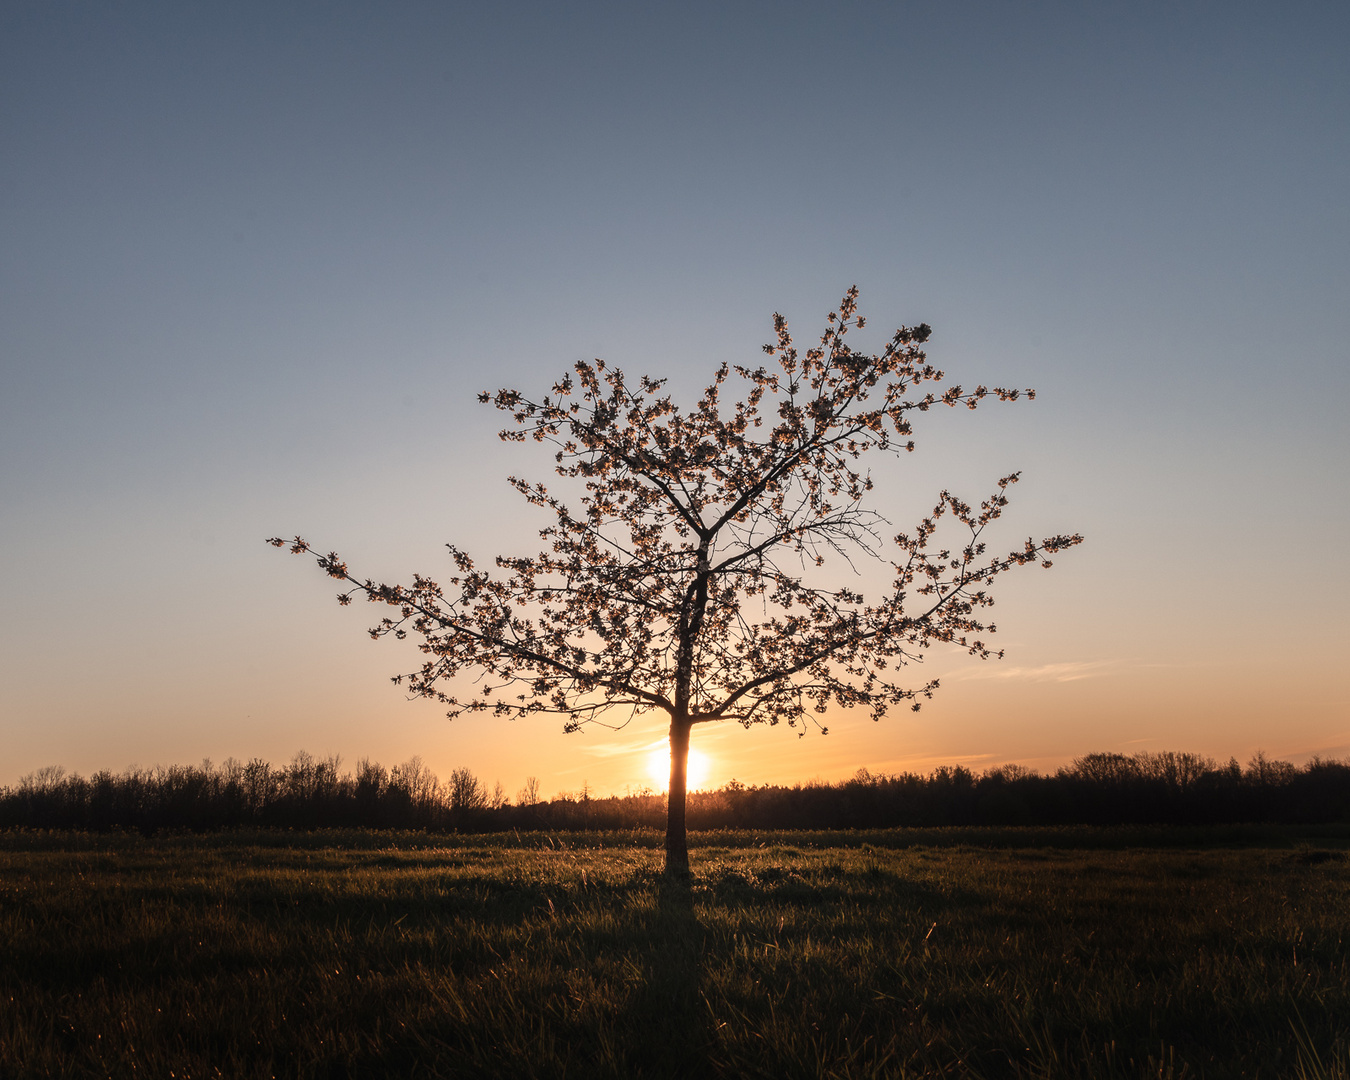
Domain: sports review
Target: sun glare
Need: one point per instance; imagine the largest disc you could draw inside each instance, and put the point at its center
(658, 766)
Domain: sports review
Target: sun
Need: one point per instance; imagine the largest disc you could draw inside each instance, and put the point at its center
(658, 767)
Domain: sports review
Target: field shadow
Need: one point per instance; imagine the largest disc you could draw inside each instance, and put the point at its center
(668, 1013)
(654, 1025)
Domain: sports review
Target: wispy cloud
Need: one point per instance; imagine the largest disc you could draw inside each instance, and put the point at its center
(931, 761)
(1070, 671)
(614, 750)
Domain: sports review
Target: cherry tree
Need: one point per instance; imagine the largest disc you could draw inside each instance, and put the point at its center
(689, 576)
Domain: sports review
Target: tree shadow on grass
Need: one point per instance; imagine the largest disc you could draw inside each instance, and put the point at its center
(653, 1025)
(667, 1018)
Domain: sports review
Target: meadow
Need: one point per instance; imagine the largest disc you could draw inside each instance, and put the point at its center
(899, 953)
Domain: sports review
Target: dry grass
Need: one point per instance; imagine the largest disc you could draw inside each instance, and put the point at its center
(335, 957)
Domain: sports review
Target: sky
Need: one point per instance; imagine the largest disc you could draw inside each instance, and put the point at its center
(257, 261)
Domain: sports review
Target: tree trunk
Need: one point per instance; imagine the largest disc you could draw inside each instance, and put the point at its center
(677, 841)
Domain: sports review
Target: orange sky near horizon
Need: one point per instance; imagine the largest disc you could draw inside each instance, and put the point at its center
(255, 266)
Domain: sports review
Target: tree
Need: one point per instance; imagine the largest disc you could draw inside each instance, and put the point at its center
(467, 794)
(529, 794)
(690, 580)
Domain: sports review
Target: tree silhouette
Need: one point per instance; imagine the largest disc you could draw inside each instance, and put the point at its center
(688, 582)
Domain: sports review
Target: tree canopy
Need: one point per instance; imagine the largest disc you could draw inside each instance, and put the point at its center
(687, 576)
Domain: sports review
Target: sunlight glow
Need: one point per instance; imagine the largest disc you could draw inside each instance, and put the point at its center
(658, 767)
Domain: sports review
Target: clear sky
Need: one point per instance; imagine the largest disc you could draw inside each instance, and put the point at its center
(256, 261)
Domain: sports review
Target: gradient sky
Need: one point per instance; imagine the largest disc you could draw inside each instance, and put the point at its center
(256, 261)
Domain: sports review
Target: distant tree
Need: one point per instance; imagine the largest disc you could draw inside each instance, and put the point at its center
(688, 582)
(466, 792)
(529, 794)
(416, 780)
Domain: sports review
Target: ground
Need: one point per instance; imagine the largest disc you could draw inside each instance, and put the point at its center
(897, 954)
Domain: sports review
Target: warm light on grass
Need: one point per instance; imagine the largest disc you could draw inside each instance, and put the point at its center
(944, 952)
(658, 767)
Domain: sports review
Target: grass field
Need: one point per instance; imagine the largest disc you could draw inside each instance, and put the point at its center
(1037, 953)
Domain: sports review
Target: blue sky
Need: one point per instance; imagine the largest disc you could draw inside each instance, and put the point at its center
(255, 264)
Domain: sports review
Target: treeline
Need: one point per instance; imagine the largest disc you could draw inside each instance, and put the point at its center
(1099, 789)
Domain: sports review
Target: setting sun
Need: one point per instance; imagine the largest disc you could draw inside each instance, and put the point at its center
(658, 767)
